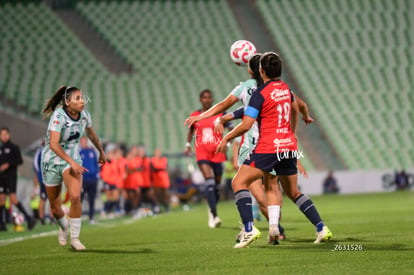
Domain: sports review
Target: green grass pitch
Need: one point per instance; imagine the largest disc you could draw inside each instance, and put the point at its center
(373, 233)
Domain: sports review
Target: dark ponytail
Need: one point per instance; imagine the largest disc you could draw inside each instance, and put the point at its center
(254, 65)
(59, 98)
(271, 64)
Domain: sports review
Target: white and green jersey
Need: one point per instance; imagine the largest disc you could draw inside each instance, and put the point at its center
(244, 92)
(70, 133)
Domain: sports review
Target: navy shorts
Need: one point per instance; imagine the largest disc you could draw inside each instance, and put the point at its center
(109, 187)
(280, 164)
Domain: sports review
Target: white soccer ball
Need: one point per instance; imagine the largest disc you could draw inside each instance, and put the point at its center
(241, 51)
(18, 219)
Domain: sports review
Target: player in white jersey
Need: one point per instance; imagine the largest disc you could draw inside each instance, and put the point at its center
(243, 93)
(61, 160)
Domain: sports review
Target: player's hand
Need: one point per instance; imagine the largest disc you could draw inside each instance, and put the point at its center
(4, 167)
(77, 169)
(307, 120)
(102, 159)
(218, 127)
(188, 151)
(222, 147)
(302, 170)
(191, 120)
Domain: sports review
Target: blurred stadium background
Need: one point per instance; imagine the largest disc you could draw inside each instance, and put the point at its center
(143, 64)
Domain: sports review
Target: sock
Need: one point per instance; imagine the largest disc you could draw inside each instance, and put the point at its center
(217, 192)
(244, 205)
(2, 215)
(274, 212)
(307, 207)
(62, 222)
(75, 226)
(21, 209)
(211, 196)
(281, 229)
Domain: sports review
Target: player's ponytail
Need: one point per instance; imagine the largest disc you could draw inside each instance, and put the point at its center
(254, 65)
(271, 64)
(59, 98)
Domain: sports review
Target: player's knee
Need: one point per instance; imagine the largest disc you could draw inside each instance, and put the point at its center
(75, 198)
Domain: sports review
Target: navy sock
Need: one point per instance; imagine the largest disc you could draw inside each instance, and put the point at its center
(211, 196)
(21, 209)
(307, 207)
(2, 215)
(244, 205)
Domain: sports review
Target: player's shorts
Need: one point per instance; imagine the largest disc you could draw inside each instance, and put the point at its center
(209, 154)
(109, 187)
(8, 185)
(53, 174)
(218, 168)
(276, 164)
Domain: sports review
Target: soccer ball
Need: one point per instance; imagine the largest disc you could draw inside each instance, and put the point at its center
(18, 219)
(241, 51)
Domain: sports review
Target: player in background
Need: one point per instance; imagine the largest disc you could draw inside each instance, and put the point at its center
(40, 187)
(146, 187)
(113, 175)
(90, 178)
(209, 163)
(160, 178)
(133, 180)
(61, 160)
(273, 106)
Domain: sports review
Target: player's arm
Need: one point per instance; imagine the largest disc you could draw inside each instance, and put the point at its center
(95, 141)
(215, 110)
(294, 116)
(242, 128)
(58, 150)
(190, 135)
(236, 144)
(304, 110)
(236, 114)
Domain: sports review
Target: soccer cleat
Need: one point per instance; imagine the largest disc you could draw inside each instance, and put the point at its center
(76, 244)
(248, 238)
(239, 236)
(18, 228)
(211, 222)
(31, 223)
(63, 235)
(217, 222)
(273, 237)
(324, 235)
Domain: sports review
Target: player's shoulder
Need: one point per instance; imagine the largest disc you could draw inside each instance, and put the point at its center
(195, 113)
(251, 83)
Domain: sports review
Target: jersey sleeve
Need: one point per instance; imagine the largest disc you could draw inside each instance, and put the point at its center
(238, 113)
(237, 91)
(255, 105)
(56, 122)
(88, 119)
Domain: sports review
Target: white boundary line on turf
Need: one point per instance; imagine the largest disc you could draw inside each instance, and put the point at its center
(35, 236)
(51, 233)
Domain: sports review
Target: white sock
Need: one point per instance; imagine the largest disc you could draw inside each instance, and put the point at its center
(75, 226)
(274, 214)
(63, 222)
